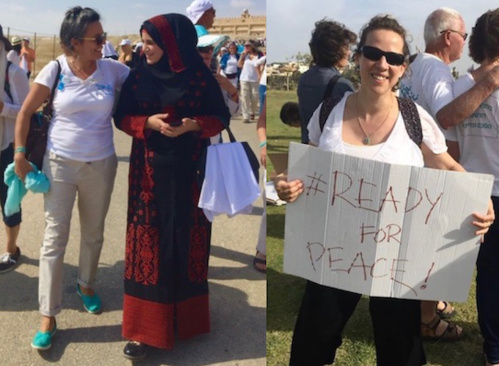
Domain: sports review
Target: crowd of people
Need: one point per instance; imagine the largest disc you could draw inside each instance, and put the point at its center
(166, 95)
(459, 123)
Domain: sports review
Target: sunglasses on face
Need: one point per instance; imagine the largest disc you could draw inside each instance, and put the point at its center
(99, 39)
(375, 54)
(464, 35)
(205, 49)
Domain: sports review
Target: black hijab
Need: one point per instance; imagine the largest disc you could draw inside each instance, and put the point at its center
(167, 80)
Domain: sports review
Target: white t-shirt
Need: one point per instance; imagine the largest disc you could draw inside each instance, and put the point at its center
(81, 127)
(13, 57)
(19, 88)
(248, 72)
(397, 149)
(261, 61)
(428, 82)
(478, 135)
(231, 67)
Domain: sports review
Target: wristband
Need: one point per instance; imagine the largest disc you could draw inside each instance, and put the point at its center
(20, 149)
(263, 144)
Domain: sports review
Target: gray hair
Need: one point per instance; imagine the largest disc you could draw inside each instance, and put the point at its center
(75, 23)
(438, 21)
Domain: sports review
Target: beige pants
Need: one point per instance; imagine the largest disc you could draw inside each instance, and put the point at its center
(93, 182)
(249, 96)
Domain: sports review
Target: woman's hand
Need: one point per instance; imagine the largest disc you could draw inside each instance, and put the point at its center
(263, 155)
(288, 191)
(187, 125)
(21, 165)
(484, 222)
(156, 121)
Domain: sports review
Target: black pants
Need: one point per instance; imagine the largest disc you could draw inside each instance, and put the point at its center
(324, 313)
(487, 296)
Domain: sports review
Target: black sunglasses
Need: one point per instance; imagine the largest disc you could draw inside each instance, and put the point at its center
(375, 54)
(99, 39)
(205, 49)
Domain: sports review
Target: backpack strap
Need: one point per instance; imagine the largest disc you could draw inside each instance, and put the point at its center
(6, 86)
(330, 86)
(411, 119)
(327, 106)
(328, 101)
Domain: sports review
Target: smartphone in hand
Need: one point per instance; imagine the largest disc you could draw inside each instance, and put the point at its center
(176, 123)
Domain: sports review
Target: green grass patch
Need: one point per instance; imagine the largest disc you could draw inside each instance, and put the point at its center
(285, 291)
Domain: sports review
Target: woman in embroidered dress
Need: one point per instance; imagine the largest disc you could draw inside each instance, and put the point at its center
(80, 160)
(369, 124)
(170, 104)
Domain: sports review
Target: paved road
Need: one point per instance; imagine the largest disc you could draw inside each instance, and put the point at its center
(237, 291)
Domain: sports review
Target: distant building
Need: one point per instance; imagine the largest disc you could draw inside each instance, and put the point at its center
(245, 27)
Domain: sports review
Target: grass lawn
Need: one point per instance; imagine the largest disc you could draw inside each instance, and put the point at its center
(285, 291)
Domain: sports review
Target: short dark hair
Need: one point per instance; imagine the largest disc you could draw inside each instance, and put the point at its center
(290, 113)
(384, 22)
(329, 42)
(484, 39)
(75, 23)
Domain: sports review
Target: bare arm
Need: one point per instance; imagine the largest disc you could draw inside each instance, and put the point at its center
(37, 95)
(240, 62)
(261, 131)
(464, 105)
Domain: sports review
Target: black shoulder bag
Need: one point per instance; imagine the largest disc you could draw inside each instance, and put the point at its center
(36, 142)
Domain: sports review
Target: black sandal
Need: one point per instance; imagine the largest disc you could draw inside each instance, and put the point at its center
(450, 334)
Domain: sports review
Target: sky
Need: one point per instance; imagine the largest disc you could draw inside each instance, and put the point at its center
(289, 26)
(119, 17)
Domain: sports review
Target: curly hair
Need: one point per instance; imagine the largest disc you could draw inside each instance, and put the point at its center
(484, 39)
(384, 22)
(290, 113)
(330, 42)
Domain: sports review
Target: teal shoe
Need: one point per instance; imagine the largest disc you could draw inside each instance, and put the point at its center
(43, 340)
(92, 304)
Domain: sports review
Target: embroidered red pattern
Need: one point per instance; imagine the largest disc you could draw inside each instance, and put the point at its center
(147, 249)
(169, 42)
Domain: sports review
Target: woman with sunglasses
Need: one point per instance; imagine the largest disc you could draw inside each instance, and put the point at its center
(368, 124)
(80, 159)
(171, 105)
(249, 80)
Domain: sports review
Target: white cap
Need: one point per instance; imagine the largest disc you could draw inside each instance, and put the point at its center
(26, 39)
(197, 8)
(125, 41)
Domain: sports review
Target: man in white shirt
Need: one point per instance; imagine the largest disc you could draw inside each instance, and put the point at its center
(429, 82)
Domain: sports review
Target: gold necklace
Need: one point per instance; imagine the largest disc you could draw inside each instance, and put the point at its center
(367, 140)
(79, 71)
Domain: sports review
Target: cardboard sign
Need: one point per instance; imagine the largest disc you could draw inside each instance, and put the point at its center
(383, 230)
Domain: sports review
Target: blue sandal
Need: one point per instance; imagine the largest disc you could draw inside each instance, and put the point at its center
(43, 340)
(92, 304)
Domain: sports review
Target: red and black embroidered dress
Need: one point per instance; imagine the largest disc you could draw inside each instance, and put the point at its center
(168, 236)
